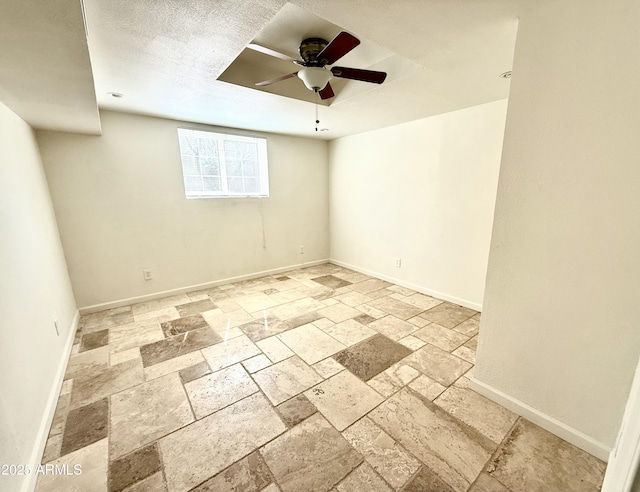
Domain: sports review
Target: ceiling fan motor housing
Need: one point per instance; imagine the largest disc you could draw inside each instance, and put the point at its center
(309, 50)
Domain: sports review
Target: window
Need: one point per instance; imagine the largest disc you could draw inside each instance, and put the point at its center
(219, 165)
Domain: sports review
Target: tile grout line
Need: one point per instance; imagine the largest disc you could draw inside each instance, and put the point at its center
(495, 454)
(184, 389)
(108, 444)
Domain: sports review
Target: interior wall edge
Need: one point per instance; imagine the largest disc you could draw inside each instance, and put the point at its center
(623, 471)
(181, 290)
(418, 288)
(555, 426)
(29, 483)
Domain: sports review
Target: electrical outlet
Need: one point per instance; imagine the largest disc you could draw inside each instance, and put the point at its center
(301, 250)
(55, 325)
(398, 262)
(146, 274)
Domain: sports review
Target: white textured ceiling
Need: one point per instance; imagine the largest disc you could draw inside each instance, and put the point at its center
(165, 56)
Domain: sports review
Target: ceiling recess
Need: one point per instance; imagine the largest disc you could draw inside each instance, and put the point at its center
(278, 44)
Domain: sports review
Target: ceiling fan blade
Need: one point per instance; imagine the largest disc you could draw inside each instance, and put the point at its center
(337, 48)
(327, 92)
(357, 74)
(277, 79)
(270, 52)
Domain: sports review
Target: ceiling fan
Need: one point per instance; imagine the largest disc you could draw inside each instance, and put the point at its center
(316, 54)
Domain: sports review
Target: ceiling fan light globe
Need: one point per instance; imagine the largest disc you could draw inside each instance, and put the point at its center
(315, 78)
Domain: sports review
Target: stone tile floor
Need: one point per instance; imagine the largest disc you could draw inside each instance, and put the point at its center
(321, 379)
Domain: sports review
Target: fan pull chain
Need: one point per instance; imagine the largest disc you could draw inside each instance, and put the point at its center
(317, 120)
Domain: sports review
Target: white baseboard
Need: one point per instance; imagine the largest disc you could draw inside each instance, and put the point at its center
(181, 290)
(418, 288)
(29, 483)
(569, 434)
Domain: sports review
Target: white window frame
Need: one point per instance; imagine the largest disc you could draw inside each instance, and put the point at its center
(220, 138)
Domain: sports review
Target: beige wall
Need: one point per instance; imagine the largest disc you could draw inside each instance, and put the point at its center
(34, 290)
(423, 192)
(120, 203)
(560, 330)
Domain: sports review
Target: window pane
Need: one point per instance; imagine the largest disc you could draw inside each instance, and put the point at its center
(235, 185)
(251, 185)
(210, 166)
(234, 168)
(185, 145)
(190, 165)
(233, 150)
(193, 183)
(212, 184)
(250, 169)
(208, 147)
(250, 151)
